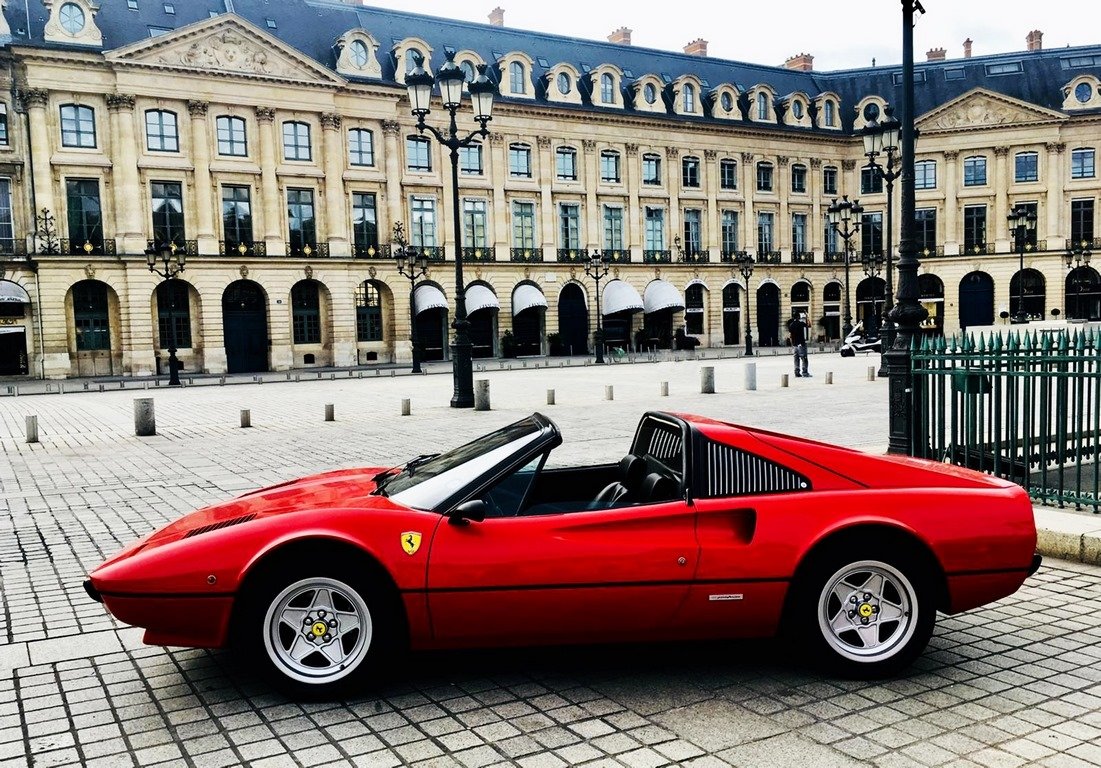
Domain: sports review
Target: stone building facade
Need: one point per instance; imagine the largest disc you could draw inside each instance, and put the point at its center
(273, 145)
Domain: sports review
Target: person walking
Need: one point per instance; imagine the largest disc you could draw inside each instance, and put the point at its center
(798, 328)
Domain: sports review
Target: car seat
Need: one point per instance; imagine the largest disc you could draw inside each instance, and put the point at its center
(632, 473)
(657, 487)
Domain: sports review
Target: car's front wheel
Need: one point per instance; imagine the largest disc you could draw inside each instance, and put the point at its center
(867, 618)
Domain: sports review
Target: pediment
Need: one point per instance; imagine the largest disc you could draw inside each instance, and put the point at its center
(225, 45)
(980, 108)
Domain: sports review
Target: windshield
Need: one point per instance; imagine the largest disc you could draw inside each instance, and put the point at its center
(426, 484)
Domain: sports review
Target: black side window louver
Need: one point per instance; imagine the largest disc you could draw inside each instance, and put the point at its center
(731, 472)
(218, 526)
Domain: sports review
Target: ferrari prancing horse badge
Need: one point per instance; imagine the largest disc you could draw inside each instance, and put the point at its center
(411, 542)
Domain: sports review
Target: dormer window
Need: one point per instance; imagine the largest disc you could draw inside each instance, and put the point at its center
(727, 101)
(360, 54)
(607, 89)
(517, 76)
(688, 97)
(72, 19)
(762, 106)
(411, 59)
(468, 71)
(830, 114)
(650, 93)
(797, 110)
(565, 83)
(356, 54)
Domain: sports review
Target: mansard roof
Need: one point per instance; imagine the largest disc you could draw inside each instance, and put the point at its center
(312, 26)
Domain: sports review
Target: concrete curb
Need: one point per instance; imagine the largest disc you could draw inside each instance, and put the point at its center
(1063, 535)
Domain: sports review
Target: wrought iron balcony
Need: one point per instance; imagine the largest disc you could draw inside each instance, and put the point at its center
(729, 257)
(105, 247)
(526, 255)
(16, 247)
(371, 251)
(834, 257)
(768, 257)
(189, 247)
(432, 252)
(572, 256)
(657, 257)
(234, 248)
(978, 249)
(616, 255)
(802, 257)
(695, 257)
(308, 250)
(928, 253)
(479, 253)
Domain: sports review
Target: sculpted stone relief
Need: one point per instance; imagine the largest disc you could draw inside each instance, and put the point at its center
(981, 111)
(231, 52)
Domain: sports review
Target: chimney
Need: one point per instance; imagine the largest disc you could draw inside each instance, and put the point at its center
(1035, 40)
(967, 48)
(497, 17)
(697, 47)
(936, 54)
(621, 36)
(804, 62)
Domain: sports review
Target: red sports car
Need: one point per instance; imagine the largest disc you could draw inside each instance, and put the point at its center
(703, 530)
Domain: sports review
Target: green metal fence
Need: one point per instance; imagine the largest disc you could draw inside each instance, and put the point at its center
(1026, 407)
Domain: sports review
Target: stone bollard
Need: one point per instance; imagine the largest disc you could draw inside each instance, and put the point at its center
(246, 418)
(665, 389)
(609, 392)
(707, 380)
(481, 395)
(829, 377)
(329, 412)
(550, 397)
(32, 429)
(783, 379)
(871, 373)
(750, 376)
(405, 409)
(145, 420)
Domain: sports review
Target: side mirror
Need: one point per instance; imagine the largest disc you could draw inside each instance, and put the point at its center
(469, 511)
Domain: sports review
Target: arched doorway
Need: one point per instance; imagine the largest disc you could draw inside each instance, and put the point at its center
(245, 326)
(1083, 294)
(482, 310)
(662, 302)
(14, 302)
(311, 328)
(573, 321)
(1027, 293)
(831, 311)
(732, 314)
(173, 313)
(768, 315)
(976, 300)
(695, 316)
(529, 309)
(931, 291)
(870, 295)
(91, 304)
(431, 307)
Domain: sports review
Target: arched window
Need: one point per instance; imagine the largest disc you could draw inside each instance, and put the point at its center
(296, 141)
(78, 126)
(360, 54)
(762, 106)
(411, 56)
(831, 311)
(516, 77)
(689, 98)
(1026, 294)
(174, 314)
(565, 83)
(831, 114)
(3, 124)
(231, 136)
(693, 308)
(306, 312)
(468, 71)
(161, 131)
(607, 89)
(727, 101)
(368, 312)
(650, 93)
(90, 316)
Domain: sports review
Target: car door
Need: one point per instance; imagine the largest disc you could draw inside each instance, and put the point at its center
(583, 576)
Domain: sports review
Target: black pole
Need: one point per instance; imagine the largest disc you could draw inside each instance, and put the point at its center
(599, 328)
(173, 363)
(886, 330)
(748, 327)
(848, 305)
(1019, 241)
(462, 369)
(413, 321)
(907, 313)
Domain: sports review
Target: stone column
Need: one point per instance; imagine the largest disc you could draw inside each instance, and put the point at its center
(816, 226)
(997, 231)
(498, 168)
(749, 190)
(711, 241)
(391, 213)
(336, 200)
(1058, 233)
(205, 232)
(592, 178)
(544, 172)
(129, 208)
(35, 100)
(673, 224)
(632, 221)
(951, 232)
(269, 184)
(782, 235)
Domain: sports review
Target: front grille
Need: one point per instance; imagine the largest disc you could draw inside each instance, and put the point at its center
(218, 526)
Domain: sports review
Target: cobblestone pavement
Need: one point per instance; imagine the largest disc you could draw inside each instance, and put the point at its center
(1017, 683)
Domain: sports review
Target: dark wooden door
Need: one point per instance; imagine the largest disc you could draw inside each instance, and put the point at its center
(245, 326)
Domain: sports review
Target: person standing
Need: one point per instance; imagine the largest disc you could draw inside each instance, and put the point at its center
(798, 328)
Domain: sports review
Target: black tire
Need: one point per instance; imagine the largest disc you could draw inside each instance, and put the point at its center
(316, 632)
(878, 634)
(847, 352)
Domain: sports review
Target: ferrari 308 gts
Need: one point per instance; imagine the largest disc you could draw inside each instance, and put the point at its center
(702, 530)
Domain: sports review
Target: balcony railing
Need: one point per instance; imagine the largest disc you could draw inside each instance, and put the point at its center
(978, 249)
(695, 257)
(729, 257)
(572, 256)
(525, 255)
(371, 251)
(189, 247)
(657, 257)
(105, 247)
(232, 248)
(928, 253)
(616, 255)
(13, 247)
(834, 257)
(802, 257)
(479, 253)
(768, 257)
(308, 250)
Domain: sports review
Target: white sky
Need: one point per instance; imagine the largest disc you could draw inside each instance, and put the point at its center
(838, 34)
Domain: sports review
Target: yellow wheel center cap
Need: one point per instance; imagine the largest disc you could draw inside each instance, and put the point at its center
(865, 610)
(319, 629)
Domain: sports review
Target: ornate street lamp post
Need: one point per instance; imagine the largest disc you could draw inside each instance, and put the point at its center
(1022, 223)
(845, 218)
(872, 264)
(412, 264)
(419, 86)
(745, 266)
(1078, 255)
(172, 264)
(883, 138)
(597, 269)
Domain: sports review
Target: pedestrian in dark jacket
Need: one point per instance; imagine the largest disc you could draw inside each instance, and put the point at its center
(799, 329)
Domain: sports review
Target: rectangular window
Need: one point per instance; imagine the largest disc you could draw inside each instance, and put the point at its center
(829, 180)
(519, 161)
(237, 216)
(693, 231)
(364, 223)
(3, 124)
(832, 240)
(1082, 164)
(418, 159)
(690, 172)
(925, 174)
(613, 228)
(974, 228)
(470, 160)
(651, 169)
(423, 231)
(799, 242)
(569, 226)
(766, 233)
(301, 224)
(609, 167)
(161, 132)
(1031, 235)
(361, 147)
(974, 172)
(85, 215)
(78, 126)
(730, 232)
(870, 181)
(523, 225)
(728, 174)
(925, 231)
(871, 234)
(764, 177)
(474, 224)
(168, 213)
(296, 141)
(1026, 167)
(173, 314)
(654, 228)
(1081, 222)
(7, 226)
(368, 313)
(565, 164)
(306, 313)
(231, 136)
(799, 178)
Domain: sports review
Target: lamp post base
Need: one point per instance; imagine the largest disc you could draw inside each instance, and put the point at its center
(463, 373)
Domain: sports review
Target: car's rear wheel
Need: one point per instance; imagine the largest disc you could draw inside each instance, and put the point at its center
(867, 617)
(846, 352)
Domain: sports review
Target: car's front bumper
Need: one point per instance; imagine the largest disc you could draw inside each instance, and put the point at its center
(1037, 560)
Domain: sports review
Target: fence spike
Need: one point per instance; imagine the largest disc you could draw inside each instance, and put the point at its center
(996, 345)
(1045, 343)
(1013, 343)
(1080, 341)
(1064, 342)
(940, 344)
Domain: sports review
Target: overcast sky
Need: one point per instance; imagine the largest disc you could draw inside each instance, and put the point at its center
(838, 34)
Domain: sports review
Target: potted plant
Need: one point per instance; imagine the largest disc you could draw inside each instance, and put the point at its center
(554, 341)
